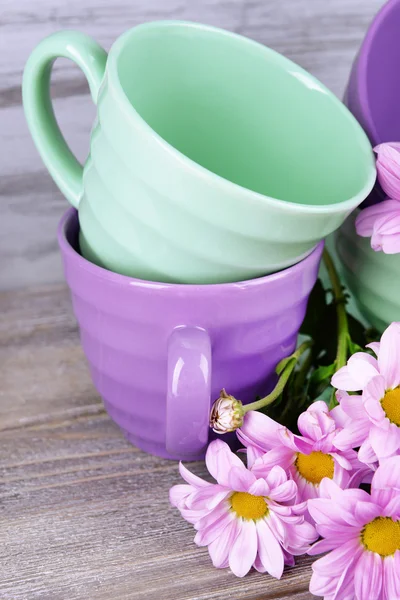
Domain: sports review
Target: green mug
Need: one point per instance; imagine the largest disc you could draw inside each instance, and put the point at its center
(212, 158)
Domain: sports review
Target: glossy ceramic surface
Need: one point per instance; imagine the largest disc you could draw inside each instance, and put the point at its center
(160, 353)
(373, 90)
(372, 277)
(212, 159)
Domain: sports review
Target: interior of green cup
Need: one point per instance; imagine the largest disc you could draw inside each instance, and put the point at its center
(244, 113)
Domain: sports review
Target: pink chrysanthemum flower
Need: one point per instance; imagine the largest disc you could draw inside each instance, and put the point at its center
(381, 222)
(244, 520)
(307, 458)
(373, 419)
(362, 533)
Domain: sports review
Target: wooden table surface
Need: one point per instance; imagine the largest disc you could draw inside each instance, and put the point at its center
(83, 514)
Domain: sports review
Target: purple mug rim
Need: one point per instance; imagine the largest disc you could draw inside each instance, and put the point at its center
(102, 273)
(362, 66)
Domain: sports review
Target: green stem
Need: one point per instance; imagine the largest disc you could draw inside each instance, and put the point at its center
(342, 322)
(282, 381)
(340, 301)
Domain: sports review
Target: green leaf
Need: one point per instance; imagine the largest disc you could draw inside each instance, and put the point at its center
(320, 380)
(322, 373)
(353, 348)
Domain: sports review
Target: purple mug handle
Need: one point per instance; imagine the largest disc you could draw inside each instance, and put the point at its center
(188, 392)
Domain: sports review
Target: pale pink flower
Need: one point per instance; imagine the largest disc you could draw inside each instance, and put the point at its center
(373, 419)
(381, 222)
(244, 520)
(388, 168)
(307, 458)
(362, 535)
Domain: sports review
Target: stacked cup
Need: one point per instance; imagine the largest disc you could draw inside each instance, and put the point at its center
(216, 168)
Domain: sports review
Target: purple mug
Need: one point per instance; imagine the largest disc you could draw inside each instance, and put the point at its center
(373, 89)
(160, 353)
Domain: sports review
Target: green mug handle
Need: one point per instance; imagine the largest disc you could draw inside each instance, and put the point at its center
(63, 166)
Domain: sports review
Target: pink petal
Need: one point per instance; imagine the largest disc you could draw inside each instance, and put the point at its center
(206, 498)
(366, 454)
(372, 396)
(253, 454)
(367, 218)
(392, 508)
(205, 536)
(178, 493)
(259, 430)
(389, 244)
(374, 347)
(342, 380)
(280, 456)
(297, 443)
(276, 477)
(388, 169)
(192, 479)
(385, 443)
(220, 460)
(362, 367)
(259, 488)
(322, 586)
(390, 223)
(391, 567)
(284, 492)
(338, 415)
(366, 512)
(299, 538)
(386, 481)
(353, 435)
(341, 460)
(368, 576)
(389, 355)
(220, 547)
(316, 421)
(324, 512)
(240, 480)
(333, 563)
(338, 538)
(244, 549)
(269, 550)
(353, 406)
(214, 516)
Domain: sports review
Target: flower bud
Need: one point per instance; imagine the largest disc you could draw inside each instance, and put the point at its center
(226, 414)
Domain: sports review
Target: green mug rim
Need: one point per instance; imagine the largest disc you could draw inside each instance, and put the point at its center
(113, 77)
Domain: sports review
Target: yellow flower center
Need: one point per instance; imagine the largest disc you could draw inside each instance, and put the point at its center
(248, 506)
(315, 466)
(391, 405)
(382, 535)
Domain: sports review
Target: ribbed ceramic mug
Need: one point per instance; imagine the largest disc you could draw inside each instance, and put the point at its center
(160, 353)
(373, 89)
(372, 277)
(213, 158)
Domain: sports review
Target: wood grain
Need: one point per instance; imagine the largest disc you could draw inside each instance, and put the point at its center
(83, 514)
(321, 35)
